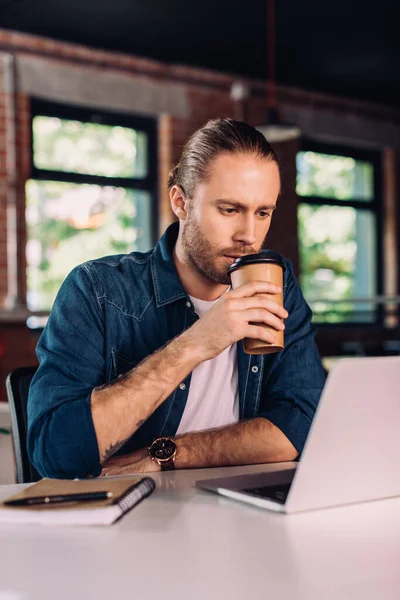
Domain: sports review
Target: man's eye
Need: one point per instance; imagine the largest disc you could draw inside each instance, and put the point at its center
(264, 214)
(228, 211)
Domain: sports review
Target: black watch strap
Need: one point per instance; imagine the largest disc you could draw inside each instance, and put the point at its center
(169, 465)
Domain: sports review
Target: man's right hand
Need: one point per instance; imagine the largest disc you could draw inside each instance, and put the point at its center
(232, 318)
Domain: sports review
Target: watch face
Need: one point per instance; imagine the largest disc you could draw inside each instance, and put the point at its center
(163, 448)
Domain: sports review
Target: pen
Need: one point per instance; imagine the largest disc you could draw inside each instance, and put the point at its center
(80, 497)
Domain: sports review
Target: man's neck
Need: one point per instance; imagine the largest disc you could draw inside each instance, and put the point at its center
(194, 283)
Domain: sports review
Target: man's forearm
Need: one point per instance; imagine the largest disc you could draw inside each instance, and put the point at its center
(121, 407)
(247, 442)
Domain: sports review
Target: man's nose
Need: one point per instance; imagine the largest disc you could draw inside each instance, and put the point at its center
(246, 234)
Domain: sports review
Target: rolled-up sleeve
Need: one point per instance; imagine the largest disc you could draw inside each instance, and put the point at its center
(293, 378)
(61, 438)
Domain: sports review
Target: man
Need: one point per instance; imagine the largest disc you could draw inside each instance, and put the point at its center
(126, 360)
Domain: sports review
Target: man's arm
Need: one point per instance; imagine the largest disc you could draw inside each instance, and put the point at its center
(120, 408)
(293, 378)
(246, 443)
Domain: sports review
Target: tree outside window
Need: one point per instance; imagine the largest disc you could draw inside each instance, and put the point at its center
(92, 193)
(338, 222)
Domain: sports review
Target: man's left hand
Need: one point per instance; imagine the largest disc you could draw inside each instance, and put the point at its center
(136, 462)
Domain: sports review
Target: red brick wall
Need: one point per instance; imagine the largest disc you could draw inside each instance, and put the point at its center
(3, 190)
(23, 154)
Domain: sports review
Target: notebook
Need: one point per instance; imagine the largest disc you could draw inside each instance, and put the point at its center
(124, 493)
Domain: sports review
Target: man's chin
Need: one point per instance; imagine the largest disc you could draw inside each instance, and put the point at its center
(222, 279)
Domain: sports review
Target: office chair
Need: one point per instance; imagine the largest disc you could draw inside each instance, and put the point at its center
(17, 385)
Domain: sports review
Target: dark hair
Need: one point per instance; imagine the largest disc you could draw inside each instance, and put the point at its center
(215, 137)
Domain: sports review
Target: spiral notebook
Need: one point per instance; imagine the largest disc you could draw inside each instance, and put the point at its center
(122, 495)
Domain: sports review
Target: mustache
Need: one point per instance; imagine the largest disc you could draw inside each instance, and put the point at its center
(237, 252)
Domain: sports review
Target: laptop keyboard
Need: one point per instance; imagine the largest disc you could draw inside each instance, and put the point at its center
(278, 493)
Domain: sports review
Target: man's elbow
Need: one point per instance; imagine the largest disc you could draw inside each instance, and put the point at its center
(284, 451)
(55, 459)
(44, 456)
(279, 447)
(289, 454)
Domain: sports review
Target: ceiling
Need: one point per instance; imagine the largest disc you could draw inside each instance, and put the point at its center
(344, 47)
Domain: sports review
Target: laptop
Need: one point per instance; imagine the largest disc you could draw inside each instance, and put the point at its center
(352, 452)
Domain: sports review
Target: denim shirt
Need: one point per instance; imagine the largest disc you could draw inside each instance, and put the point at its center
(113, 312)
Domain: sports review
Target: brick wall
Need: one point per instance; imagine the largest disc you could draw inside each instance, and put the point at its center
(3, 187)
(182, 98)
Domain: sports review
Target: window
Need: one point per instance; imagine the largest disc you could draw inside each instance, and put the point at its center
(339, 240)
(92, 192)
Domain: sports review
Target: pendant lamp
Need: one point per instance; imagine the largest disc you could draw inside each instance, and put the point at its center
(275, 130)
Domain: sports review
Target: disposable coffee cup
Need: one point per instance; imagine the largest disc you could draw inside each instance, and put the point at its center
(266, 265)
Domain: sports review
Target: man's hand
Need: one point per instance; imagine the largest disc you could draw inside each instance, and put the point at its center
(235, 315)
(137, 462)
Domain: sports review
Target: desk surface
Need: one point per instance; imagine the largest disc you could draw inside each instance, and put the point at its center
(182, 543)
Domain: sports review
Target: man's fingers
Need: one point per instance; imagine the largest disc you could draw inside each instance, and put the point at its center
(255, 287)
(258, 332)
(264, 316)
(260, 302)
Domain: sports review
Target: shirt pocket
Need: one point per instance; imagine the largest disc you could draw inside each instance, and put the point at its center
(120, 365)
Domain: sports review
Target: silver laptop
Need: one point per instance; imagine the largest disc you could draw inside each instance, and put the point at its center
(352, 453)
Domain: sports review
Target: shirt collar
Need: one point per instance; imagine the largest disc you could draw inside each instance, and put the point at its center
(167, 285)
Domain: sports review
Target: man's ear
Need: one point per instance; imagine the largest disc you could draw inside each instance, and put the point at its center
(178, 202)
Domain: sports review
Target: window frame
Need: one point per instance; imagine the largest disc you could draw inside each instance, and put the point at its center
(374, 206)
(71, 112)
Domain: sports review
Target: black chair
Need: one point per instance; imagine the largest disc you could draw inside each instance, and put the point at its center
(17, 385)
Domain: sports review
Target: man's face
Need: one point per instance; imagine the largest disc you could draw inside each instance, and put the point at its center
(230, 214)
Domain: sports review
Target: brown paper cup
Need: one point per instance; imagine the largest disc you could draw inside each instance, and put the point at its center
(262, 271)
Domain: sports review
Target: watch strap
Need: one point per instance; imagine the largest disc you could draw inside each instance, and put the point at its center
(168, 465)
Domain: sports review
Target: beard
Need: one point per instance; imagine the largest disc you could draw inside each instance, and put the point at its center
(203, 256)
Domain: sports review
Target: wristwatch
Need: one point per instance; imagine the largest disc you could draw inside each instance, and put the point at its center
(163, 451)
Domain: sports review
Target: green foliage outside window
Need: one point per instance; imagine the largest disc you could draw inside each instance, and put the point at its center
(336, 177)
(88, 148)
(69, 224)
(337, 243)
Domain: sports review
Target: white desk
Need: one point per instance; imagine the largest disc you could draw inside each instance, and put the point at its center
(186, 544)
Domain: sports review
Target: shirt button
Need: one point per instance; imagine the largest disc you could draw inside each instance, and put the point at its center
(254, 369)
(182, 386)
(188, 304)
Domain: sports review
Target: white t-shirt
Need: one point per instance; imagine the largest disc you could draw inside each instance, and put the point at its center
(213, 395)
